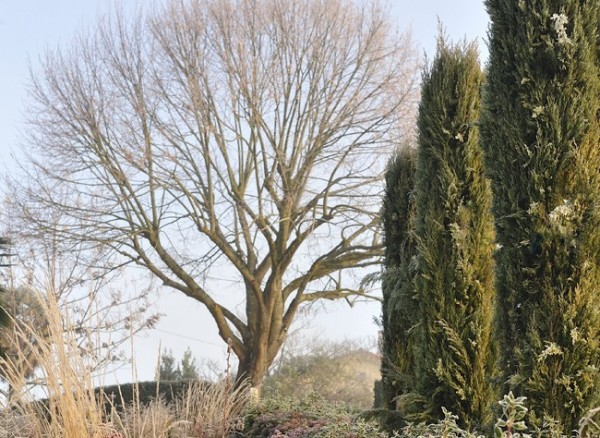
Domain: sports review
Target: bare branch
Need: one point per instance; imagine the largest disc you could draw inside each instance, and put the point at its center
(243, 139)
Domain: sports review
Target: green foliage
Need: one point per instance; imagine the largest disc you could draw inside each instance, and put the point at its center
(540, 131)
(189, 368)
(454, 231)
(389, 420)
(121, 397)
(352, 428)
(4, 315)
(306, 417)
(445, 428)
(378, 401)
(170, 371)
(23, 321)
(511, 424)
(143, 393)
(589, 425)
(399, 306)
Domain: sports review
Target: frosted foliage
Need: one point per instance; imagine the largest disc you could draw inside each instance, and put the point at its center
(560, 22)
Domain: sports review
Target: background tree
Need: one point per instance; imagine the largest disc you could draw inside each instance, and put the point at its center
(340, 372)
(4, 263)
(399, 308)
(454, 232)
(5, 252)
(189, 367)
(236, 138)
(540, 133)
(170, 370)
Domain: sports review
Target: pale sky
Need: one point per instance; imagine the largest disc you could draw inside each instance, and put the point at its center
(28, 26)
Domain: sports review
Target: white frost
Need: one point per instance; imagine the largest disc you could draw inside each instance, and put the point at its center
(563, 212)
(560, 22)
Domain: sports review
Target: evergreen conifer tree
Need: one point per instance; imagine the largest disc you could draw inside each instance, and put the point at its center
(454, 232)
(398, 308)
(541, 137)
(169, 370)
(189, 368)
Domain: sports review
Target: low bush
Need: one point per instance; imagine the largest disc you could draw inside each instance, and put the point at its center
(388, 420)
(308, 416)
(120, 396)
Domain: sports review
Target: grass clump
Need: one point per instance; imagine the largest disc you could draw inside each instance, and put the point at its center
(74, 408)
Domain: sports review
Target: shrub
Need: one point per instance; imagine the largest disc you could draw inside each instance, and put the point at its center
(120, 396)
(308, 416)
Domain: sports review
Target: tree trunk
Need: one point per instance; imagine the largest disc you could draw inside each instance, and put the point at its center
(253, 370)
(263, 345)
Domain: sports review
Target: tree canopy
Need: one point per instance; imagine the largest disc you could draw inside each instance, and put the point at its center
(236, 139)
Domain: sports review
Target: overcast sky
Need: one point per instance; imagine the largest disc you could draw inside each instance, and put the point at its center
(28, 26)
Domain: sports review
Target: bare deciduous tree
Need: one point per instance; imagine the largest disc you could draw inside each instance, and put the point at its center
(233, 138)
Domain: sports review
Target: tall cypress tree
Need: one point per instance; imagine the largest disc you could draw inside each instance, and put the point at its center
(398, 308)
(454, 229)
(541, 136)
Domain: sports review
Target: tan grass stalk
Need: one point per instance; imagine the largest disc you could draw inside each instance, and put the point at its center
(66, 375)
(65, 371)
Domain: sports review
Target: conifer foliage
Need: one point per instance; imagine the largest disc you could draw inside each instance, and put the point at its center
(171, 371)
(398, 308)
(454, 232)
(541, 136)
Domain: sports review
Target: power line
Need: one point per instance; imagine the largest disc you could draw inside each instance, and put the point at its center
(188, 337)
